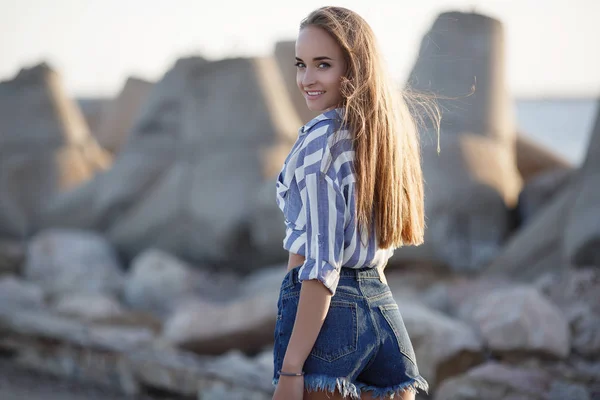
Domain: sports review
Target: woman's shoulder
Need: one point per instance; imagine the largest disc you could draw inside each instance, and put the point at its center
(322, 130)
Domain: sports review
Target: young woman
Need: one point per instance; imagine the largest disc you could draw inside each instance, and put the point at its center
(351, 192)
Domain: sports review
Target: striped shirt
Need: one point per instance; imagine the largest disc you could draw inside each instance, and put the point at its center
(316, 193)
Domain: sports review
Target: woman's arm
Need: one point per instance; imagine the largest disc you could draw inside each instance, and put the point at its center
(312, 310)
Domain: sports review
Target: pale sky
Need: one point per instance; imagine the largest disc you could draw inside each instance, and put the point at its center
(552, 45)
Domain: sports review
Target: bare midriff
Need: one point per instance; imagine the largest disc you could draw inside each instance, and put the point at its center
(295, 260)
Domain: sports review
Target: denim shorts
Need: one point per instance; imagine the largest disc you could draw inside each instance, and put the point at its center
(363, 344)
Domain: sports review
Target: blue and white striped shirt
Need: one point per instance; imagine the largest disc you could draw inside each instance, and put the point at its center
(316, 192)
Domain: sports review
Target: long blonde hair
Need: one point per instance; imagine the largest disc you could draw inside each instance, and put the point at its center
(388, 162)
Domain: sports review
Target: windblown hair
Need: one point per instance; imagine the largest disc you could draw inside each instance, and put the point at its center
(388, 163)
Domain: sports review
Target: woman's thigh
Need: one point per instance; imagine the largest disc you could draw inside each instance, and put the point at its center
(408, 395)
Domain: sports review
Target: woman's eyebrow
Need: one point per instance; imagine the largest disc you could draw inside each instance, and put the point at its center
(317, 58)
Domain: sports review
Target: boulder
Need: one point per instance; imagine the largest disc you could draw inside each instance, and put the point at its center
(158, 281)
(575, 292)
(444, 347)
(245, 323)
(45, 148)
(473, 182)
(534, 158)
(12, 255)
(61, 260)
(536, 248)
(119, 116)
(540, 189)
(88, 306)
(519, 320)
(20, 293)
(494, 381)
(582, 233)
(209, 136)
(93, 110)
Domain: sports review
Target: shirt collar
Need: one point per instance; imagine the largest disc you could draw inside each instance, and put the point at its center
(336, 113)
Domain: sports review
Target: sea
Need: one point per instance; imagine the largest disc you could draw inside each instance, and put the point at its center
(561, 125)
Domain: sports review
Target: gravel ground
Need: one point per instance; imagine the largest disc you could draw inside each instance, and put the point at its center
(20, 384)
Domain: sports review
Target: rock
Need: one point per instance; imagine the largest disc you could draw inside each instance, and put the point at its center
(20, 322)
(519, 320)
(12, 255)
(266, 279)
(534, 158)
(565, 390)
(232, 365)
(16, 292)
(267, 225)
(93, 109)
(448, 296)
(61, 260)
(187, 374)
(45, 148)
(582, 233)
(493, 381)
(576, 294)
(204, 327)
(157, 281)
(119, 116)
(88, 306)
(540, 190)
(285, 54)
(444, 347)
(536, 248)
(473, 182)
(174, 186)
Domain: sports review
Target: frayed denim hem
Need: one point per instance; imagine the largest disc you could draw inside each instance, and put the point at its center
(324, 383)
(414, 385)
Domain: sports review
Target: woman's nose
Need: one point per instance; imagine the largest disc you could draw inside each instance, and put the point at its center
(309, 77)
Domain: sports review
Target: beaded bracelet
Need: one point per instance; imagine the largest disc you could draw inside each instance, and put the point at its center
(290, 374)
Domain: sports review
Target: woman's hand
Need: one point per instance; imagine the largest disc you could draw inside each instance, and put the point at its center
(289, 388)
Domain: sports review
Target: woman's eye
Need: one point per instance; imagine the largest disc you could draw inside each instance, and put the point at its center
(324, 65)
(299, 65)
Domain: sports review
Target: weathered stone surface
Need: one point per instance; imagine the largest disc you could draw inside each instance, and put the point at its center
(45, 148)
(536, 248)
(444, 347)
(12, 255)
(285, 54)
(174, 185)
(211, 328)
(582, 234)
(16, 292)
(473, 181)
(93, 109)
(576, 294)
(267, 225)
(43, 325)
(157, 281)
(119, 115)
(61, 260)
(540, 190)
(125, 358)
(449, 295)
(518, 320)
(493, 381)
(88, 306)
(534, 159)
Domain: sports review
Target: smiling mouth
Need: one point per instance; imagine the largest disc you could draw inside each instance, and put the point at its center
(314, 93)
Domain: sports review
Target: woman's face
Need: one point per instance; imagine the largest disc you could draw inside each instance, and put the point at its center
(320, 66)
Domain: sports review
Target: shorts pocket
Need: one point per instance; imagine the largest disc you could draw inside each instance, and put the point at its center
(339, 335)
(392, 315)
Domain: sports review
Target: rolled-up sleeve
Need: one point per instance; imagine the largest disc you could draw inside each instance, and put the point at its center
(324, 205)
